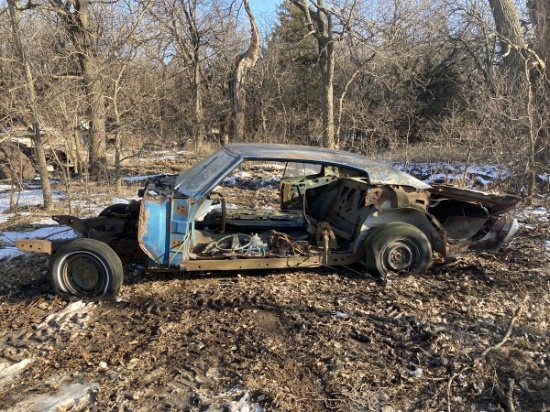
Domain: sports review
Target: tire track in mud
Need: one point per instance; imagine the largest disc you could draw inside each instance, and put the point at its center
(29, 350)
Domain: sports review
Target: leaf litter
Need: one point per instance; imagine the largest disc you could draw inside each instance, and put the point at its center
(315, 340)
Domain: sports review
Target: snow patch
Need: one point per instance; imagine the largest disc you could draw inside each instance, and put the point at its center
(74, 396)
(241, 401)
(339, 315)
(74, 315)
(63, 394)
(538, 213)
(241, 177)
(438, 172)
(237, 175)
(27, 198)
(541, 211)
(8, 238)
(7, 253)
(124, 200)
(9, 371)
(23, 199)
(167, 155)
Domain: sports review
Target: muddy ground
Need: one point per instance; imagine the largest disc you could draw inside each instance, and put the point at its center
(307, 340)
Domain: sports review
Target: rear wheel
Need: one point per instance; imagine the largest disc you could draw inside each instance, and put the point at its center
(397, 247)
(87, 268)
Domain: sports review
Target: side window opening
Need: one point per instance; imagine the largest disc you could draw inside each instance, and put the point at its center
(293, 169)
(253, 185)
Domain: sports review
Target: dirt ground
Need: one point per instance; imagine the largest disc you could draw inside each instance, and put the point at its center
(472, 335)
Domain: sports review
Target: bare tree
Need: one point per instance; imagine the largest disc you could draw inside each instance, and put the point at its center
(181, 18)
(320, 23)
(539, 12)
(32, 105)
(76, 19)
(243, 63)
(511, 37)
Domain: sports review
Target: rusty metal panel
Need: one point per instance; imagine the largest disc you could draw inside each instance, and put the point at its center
(493, 202)
(153, 224)
(258, 263)
(315, 260)
(48, 247)
(386, 197)
(501, 233)
(461, 228)
(128, 250)
(206, 174)
(79, 225)
(35, 245)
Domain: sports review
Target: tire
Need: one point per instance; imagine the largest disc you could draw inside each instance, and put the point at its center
(118, 208)
(397, 247)
(87, 268)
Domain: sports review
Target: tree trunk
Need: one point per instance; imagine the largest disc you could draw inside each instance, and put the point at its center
(78, 26)
(192, 57)
(42, 166)
(320, 24)
(29, 81)
(199, 115)
(118, 134)
(510, 36)
(97, 145)
(243, 62)
(539, 12)
(326, 62)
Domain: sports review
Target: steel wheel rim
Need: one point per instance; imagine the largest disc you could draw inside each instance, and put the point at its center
(83, 273)
(400, 255)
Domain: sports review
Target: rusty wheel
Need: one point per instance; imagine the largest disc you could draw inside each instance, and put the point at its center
(397, 247)
(87, 268)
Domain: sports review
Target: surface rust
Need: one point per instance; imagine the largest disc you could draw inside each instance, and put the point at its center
(44, 246)
(314, 260)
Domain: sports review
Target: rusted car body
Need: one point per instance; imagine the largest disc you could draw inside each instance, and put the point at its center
(336, 208)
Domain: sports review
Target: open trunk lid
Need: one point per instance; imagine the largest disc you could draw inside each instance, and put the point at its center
(495, 204)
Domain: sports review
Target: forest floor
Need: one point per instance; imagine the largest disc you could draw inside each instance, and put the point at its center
(471, 335)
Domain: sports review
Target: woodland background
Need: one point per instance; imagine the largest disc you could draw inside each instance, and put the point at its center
(462, 80)
(99, 88)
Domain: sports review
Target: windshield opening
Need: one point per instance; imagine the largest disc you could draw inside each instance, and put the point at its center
(204, 173)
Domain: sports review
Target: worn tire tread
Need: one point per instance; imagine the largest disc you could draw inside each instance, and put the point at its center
(101, 250)
(379, 236)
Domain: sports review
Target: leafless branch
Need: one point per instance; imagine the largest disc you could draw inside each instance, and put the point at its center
(513, 320)
(507, 399)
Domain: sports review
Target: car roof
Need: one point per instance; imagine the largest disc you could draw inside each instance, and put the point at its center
(378, 173)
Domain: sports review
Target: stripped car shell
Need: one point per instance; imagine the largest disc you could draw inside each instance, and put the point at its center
(336, 208)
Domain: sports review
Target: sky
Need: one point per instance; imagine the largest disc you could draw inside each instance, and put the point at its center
(265, 11)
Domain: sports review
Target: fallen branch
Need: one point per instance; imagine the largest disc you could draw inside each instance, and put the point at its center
(507, 400)
(513, 320)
